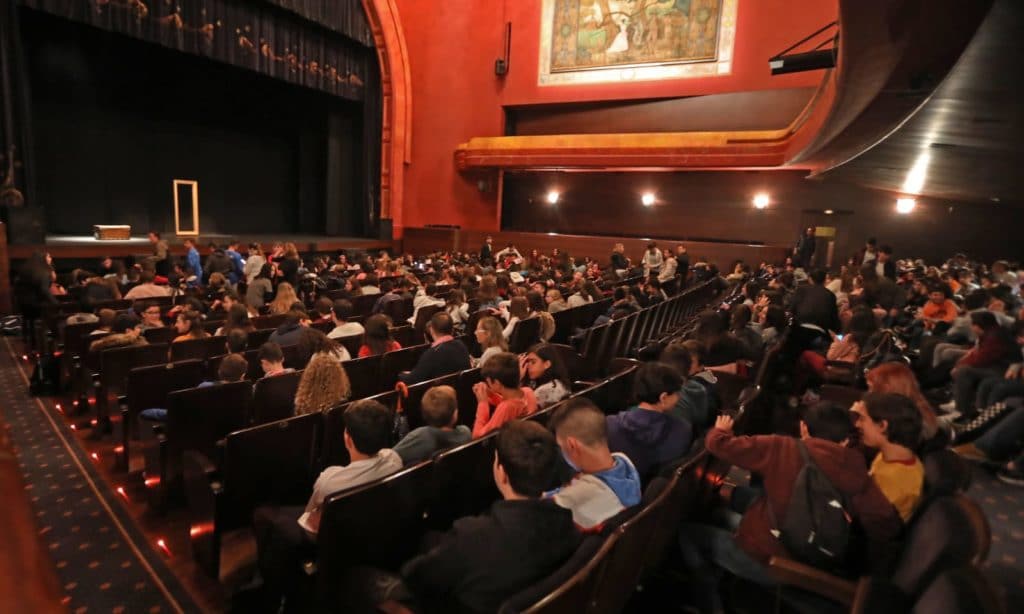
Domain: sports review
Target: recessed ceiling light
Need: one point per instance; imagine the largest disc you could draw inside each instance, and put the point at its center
(761, 200)
(829, 212)
(905, 205)
(553, 197)
(647, 199)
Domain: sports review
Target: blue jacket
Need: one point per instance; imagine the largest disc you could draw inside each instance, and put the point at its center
(236, 258)
(648, 438)
(194, 262)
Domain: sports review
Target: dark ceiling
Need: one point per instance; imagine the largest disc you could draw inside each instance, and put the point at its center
(970, 133)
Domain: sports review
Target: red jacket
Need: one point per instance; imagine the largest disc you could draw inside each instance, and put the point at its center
(777, 459)
(994, 349)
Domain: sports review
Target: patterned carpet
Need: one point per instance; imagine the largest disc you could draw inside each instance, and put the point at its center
(104, 562)
(1004, 508)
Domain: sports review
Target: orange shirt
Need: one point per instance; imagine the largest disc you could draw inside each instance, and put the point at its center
(365, 350)
(945, 312)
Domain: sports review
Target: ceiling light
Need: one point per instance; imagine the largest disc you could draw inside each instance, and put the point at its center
(829, 212)
(761, 200)
(647, 199)
(553, 197)
(915, 178)
(905, 205)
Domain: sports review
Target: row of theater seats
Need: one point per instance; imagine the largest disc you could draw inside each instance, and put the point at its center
(199, 417)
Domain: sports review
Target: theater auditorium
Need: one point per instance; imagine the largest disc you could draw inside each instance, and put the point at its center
(514, 306)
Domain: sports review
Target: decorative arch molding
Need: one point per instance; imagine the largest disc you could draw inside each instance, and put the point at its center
(396, 103)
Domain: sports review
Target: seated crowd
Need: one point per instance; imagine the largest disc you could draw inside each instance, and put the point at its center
(913, 336)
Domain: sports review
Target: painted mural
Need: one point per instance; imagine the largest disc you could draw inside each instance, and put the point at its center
(612, 40)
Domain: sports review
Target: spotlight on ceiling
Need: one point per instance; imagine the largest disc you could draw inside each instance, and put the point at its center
(905, 205)
(553, 197)
(647, 199)
(761, 200)
(829, 212)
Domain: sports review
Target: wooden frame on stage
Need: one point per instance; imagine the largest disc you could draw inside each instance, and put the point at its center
(192, 229)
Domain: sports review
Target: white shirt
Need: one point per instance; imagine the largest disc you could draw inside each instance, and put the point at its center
(336, 479)
(578, 299)
(147, 291)
(348, 329)
(491, 351)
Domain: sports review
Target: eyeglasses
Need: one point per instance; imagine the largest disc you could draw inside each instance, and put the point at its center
(152, 312)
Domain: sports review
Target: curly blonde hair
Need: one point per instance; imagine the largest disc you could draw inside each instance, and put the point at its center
(323, 385)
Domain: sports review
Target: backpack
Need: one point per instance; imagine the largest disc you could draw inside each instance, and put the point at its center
(815, 528)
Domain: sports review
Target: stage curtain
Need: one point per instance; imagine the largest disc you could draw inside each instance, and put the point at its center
(16, 181)
(251, 34)
(343, 16)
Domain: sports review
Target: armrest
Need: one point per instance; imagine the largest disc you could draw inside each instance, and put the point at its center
(811, 579)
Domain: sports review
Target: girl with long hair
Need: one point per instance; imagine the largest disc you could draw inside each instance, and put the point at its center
(541, 369)
(284, 299)
(189, 325)
(489, 335)
(377, 337)
(898, 378)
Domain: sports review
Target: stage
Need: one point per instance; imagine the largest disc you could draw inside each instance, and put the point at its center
(86, 247)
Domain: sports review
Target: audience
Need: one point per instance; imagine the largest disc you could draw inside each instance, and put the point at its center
(149, 311)
(825, 431)
(692, 405)
(440, 412)
(499, 396)
(322, 386)
(485, 559)
(542, 370)
(147, 287)
(445, 355)
(290, 330)
(891, 424)
(489, 335)
(647, 433)
(126, 331)
(377, 337)
(272, 360)
(287, 534)
(341, 313)
(605, 483)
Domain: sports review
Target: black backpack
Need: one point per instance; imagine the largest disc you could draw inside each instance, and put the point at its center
(815, 528)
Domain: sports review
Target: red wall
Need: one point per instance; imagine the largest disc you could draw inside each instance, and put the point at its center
(452, 46)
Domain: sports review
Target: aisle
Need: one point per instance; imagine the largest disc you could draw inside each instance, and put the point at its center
(104, 562)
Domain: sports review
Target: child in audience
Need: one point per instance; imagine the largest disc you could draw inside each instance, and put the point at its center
(703, 376)
(647, 433)
(377, 337)
(189, 325)
(542, 370)
(272, 360)
(500, 389)
(605, 483)
(485, 559)
(231, 369)
(891, 424)
(440, 411)
(693, 397)
(489, 335)
(824, 431)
